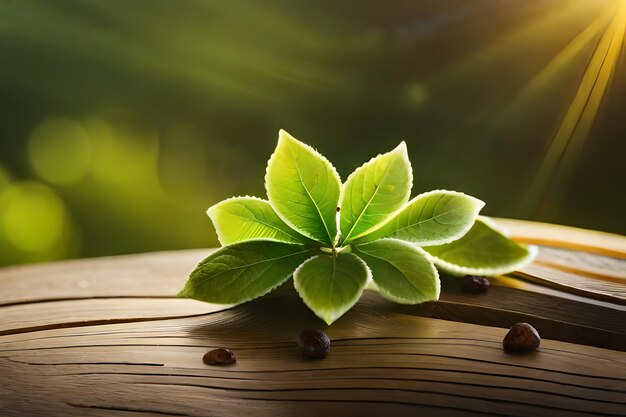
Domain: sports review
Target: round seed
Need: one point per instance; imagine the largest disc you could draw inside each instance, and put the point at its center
(521, 338)
(314, 343)
(220, 356)
(474, 284)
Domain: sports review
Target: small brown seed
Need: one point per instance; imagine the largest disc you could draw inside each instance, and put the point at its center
(521, 338)
(475, 284)
(220, 356)
(314, 343)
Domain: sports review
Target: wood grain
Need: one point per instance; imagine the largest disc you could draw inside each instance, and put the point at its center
(106, 337)
(602, 243)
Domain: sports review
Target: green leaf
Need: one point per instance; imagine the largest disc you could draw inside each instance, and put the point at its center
(402, 272)
(330, 285)
(374, 191)
(244, 271)
(432, 218)
(484, 250)
(249, 218)
(303, 188)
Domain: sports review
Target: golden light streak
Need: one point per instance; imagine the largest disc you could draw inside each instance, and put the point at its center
(533, 92)
(535, 31)
(571, 136)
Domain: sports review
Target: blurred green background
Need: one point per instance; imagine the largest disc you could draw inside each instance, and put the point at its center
(122, 121)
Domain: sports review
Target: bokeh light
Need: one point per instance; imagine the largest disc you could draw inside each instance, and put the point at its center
(32, 217)
(124, 156)
(59, 151)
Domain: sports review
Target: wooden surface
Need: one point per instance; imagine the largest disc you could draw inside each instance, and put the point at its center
(106, 337)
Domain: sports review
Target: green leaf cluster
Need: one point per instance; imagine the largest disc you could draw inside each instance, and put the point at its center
(337, 238)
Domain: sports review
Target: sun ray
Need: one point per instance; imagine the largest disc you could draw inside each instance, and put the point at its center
(571, 136)
(536, 30)
(533, 92)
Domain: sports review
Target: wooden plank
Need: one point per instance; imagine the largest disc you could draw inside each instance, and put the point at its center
(81, 297)
(546, 234)
(574, 282)
(588, 274)
(75, 313)
(107, 337)
(378, 358)
(604, 268)
(557, 317)
(159, 274)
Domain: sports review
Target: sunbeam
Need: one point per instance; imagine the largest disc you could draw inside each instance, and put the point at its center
(570, 138)
(533, 92)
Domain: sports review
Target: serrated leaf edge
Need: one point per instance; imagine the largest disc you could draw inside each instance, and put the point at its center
(456, 270)
(479, 204)
(304, 239)
(460, 271)
(428, 257)
(315, 152)
(400, 149)
(182, 293)
(334, 315)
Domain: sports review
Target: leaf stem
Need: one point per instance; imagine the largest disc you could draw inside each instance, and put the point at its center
(337, 250)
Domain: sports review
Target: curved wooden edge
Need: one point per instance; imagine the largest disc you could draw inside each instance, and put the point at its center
(603, 243)
(531, 274)
(381, 361)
